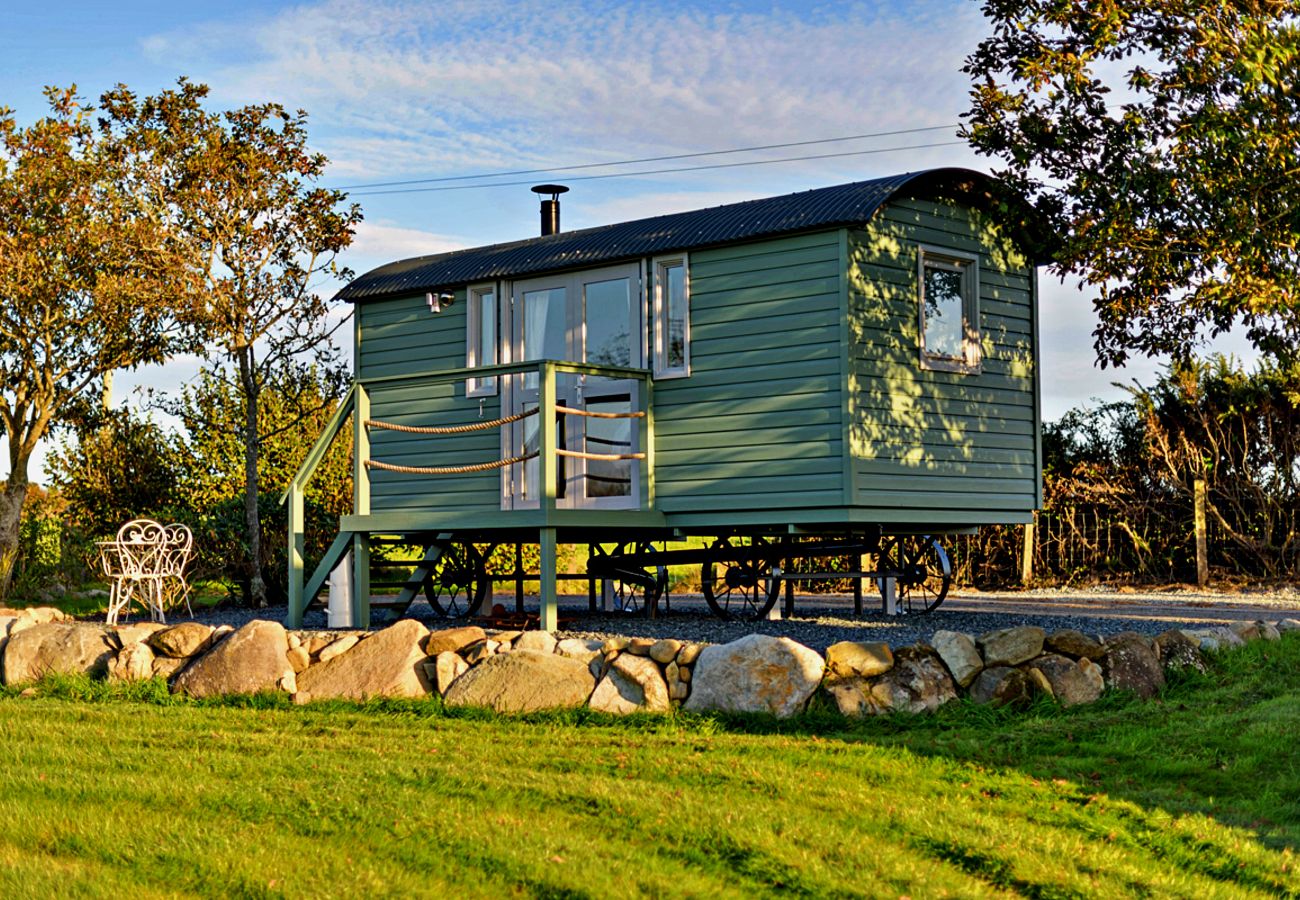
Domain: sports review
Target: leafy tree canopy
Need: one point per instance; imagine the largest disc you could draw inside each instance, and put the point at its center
(1160, 140)
(91, 280)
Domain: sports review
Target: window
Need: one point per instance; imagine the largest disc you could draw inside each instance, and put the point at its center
(949, 284)
(481, 338)
(672, 318)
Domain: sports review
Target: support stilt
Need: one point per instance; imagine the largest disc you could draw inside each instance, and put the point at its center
(361, 580)
(549, 600)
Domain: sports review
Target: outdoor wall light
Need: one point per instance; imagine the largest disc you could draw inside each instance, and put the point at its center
(437, 302)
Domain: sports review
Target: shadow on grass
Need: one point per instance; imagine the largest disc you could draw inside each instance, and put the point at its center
(1221, 745)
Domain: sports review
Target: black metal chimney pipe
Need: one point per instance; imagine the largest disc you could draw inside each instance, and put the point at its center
(550, 208)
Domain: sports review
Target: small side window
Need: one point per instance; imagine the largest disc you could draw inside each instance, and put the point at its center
(949, 315)
(672, 318)
(481, 338)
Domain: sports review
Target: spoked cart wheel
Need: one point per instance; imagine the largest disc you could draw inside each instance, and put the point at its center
(630, 588)
(922, 568)
(458, 583)
(736, 580)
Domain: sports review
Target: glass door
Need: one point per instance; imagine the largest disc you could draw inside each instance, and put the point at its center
(592, 317)
(611, 337)
(543, 330)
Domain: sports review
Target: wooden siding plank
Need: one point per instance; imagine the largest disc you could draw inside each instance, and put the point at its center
(931, 467)
(916, 499)
(764, 294)
(757, 262)
(743, 453)
(783, 275)
(707, 432)
(791, 243)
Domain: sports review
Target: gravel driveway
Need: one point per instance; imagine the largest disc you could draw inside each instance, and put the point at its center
(820, 621)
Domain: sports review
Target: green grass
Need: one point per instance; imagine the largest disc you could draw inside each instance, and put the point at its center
(110, 790)
(77, 602)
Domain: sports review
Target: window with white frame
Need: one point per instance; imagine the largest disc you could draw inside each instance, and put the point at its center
(481, 338)
(672, 318)
(949, 310)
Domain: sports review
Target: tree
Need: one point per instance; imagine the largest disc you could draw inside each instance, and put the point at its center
(89, 283)
(121, 466)
(211, 411)
(1160, 141)
(1239, 432)
(241, 188)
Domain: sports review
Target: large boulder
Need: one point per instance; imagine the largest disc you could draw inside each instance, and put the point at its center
(1002, 685)
(582, 649)
(183, 640)
(1131, 665)
(134, 662)
(1011, 646)
(959, 654)
(1069, 642)
(57, 647)
(250, 660)
(1287, 625)
(386, 664)
(1176, 650)
(632, 684)
(523, 681)
(757, 673)
(848, 659)
(1066, 680)
(453, 639)
(918, 682)
(1211, 640)
(447, 667)
(138, 632)
(541, 641)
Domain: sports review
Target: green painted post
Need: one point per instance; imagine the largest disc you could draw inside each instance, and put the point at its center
(297, 550)
(360, 507)
(648, 444)
(361, 580)
(548, 462)
(549, 602)
(548, 470)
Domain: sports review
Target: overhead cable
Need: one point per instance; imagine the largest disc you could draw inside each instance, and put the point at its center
(731, 165)
(647, 159)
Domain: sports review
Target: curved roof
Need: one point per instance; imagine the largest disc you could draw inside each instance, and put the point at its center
(828, 207)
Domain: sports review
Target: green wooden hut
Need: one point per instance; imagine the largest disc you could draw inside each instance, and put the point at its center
(856, 359)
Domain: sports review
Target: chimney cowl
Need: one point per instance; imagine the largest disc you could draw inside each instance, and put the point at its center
(550, 210)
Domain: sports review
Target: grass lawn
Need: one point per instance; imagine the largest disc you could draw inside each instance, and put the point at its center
(112, 792)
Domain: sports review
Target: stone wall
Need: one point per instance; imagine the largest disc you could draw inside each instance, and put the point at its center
(512, 671)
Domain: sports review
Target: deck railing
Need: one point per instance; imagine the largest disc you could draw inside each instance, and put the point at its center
(554, 419)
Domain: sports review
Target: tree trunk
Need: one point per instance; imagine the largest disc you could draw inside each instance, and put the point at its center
(252, 522)
(12, 496)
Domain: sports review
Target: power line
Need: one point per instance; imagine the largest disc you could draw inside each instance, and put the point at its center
(755, 162)
(647, 159)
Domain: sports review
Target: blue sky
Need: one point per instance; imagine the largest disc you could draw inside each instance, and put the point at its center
(407, 90)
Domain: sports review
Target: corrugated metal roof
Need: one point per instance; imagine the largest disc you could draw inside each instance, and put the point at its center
(843, 204)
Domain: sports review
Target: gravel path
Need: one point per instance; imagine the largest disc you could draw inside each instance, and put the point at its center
(821, 621)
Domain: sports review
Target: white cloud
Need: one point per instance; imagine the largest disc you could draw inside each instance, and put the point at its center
(384, 241)
(438, 87)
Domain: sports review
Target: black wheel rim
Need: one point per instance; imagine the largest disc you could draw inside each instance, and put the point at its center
(633, 589)
(738, 585)
(458, 582)
(923, 571)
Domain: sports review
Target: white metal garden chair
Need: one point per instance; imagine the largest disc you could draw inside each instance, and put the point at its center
(142, 563)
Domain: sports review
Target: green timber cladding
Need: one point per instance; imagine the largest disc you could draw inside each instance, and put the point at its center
(806, 401)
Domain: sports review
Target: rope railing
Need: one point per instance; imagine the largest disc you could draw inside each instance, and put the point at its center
(451, 429)
(496, 423)
(600, 457)
(569, 410)
(450, 470)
